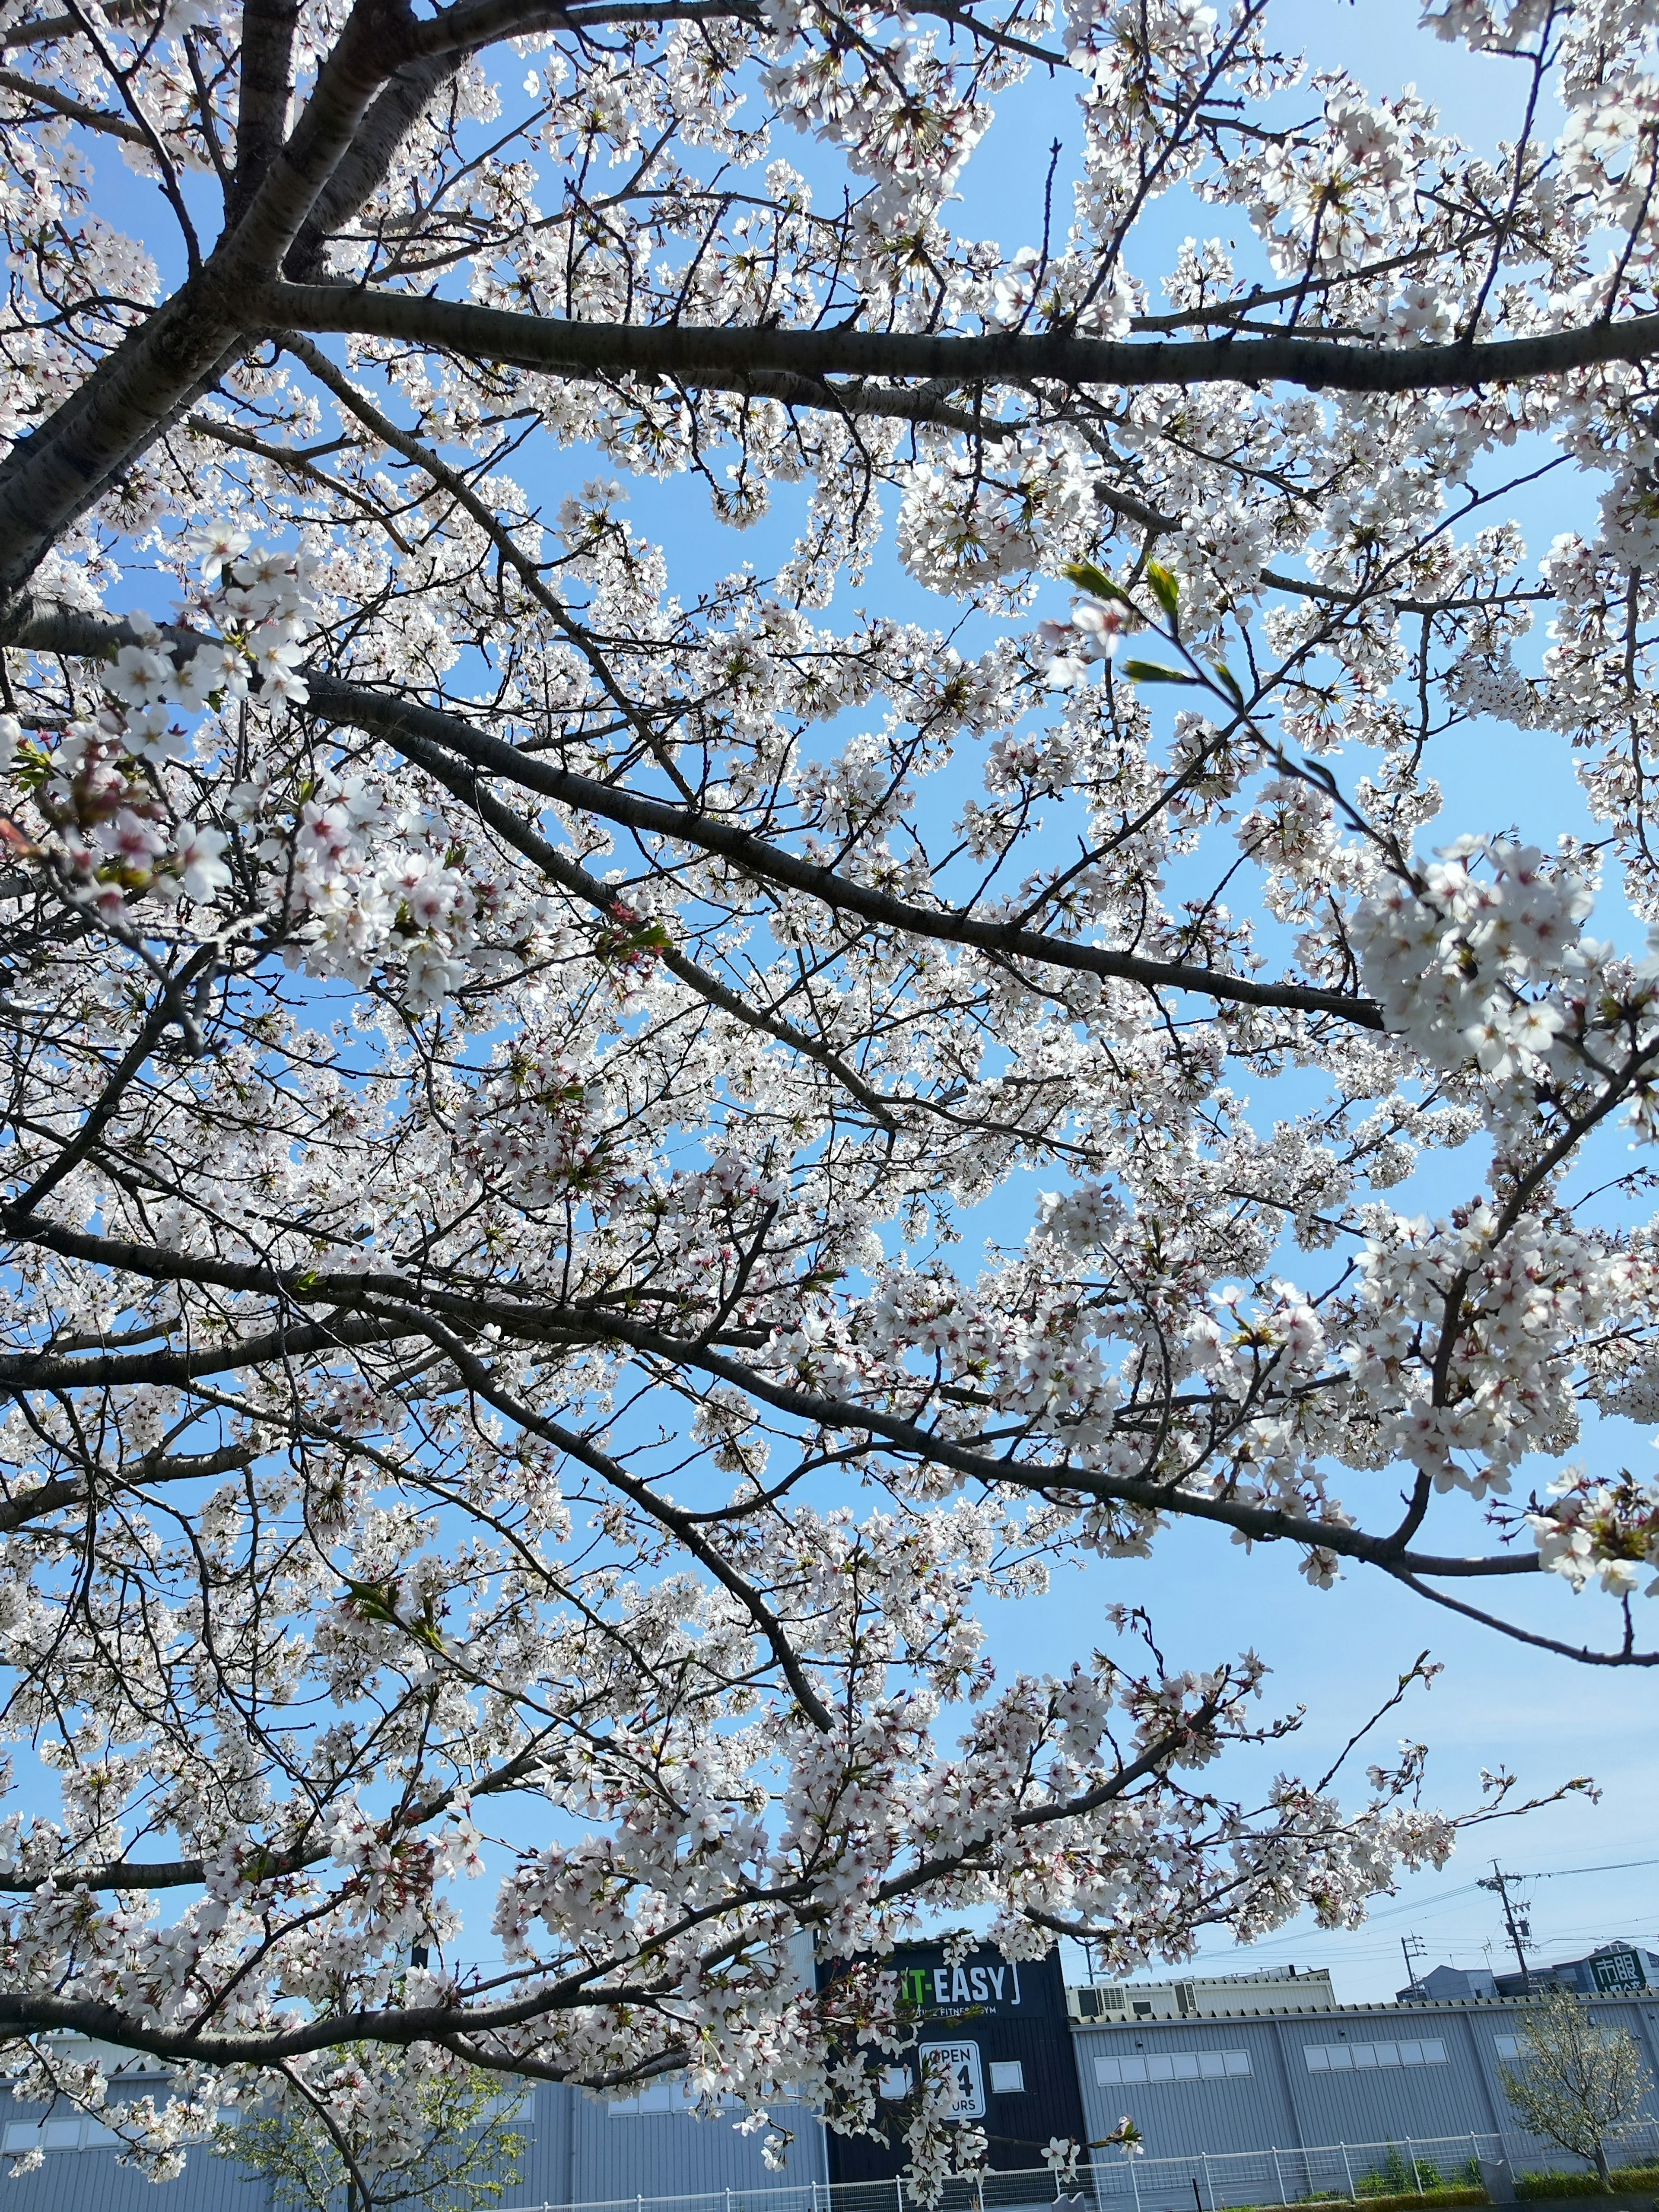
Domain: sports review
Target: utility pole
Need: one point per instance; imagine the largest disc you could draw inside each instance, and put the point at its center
(1514, 1918)
(1414, 1949)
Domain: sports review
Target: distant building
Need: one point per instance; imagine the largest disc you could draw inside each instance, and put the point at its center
(1271, 1989)
(1612, 1970)
(1615, 1970)
(1446, 1985)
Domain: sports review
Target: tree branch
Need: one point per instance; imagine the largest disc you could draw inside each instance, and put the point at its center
(268, 29)
(78, 111)
(731, 358)
(382, 715)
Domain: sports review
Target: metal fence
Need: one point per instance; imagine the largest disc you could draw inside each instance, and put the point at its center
(1208, 2181)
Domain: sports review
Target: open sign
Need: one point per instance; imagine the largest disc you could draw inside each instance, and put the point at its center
(957, 2065)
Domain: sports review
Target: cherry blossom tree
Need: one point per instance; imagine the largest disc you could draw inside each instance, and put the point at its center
(448, 2148)
(1580, 2082)
(506, 1032)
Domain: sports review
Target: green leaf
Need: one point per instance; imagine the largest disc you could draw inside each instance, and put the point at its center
(374, 1601)
(1095, 582)
(1226, 676)
(1165, 590)
(1148, 671)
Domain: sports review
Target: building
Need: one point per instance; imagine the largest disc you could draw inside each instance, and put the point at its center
(1441, 1984)
(1344, 2074)
(579, 2149)
(1610, 1972)
(1614, 1970)
(1271, 1989)
(1000, 2030)
(1207, 2066)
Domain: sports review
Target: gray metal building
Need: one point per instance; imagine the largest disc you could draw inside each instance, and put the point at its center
(584, 2152)
(1355, 2074)
(1233, 2064)
(578, 2150)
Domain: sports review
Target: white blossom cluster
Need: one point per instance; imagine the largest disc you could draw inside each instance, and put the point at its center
(1449, 962)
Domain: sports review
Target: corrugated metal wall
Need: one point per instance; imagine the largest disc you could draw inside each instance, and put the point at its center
(1283, 2102)
(576, 2152)
(94, 2181)
(579, 2152)
(674, 2154)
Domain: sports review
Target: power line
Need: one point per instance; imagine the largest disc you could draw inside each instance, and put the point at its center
(1620, 1866)
(1468, 1889)
(1423, 1907)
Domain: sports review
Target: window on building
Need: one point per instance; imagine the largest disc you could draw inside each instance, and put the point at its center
(669, 2094)
(63, 2131)
(1366, 2057)
(1173, 2066)
(1007, 2077)
(1507, 2047)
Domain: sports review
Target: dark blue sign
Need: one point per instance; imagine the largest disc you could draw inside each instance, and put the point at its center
(995, 2032)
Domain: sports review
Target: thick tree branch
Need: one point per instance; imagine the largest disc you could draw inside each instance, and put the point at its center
(366, 163)
(75, 110)
(390, 718)
(402, 1304)
(168, 1367)
(731, 358)
(26, 1505)
(268, 27)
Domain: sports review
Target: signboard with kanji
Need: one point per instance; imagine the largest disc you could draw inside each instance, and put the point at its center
(1615, 1970)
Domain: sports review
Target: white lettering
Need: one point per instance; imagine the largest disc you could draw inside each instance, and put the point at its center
(959, 1986)
(995, 1974)
(941, 1985)
(977, 1977)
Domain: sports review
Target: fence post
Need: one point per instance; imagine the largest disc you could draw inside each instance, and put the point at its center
(1411, 2153)
(1280, 2171)
(1348, 2170)
(1134, 2185)
(1204, 2161)
(898, 2191)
